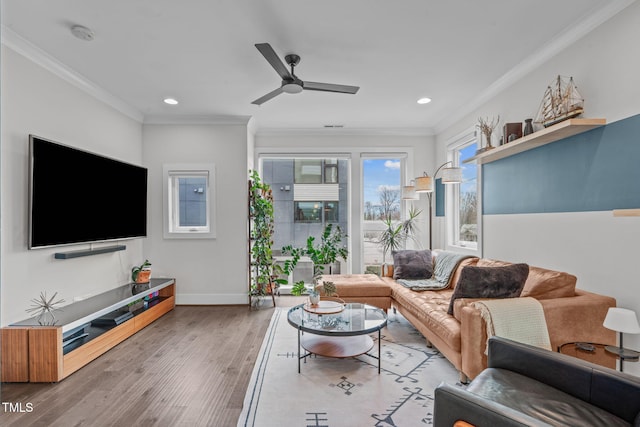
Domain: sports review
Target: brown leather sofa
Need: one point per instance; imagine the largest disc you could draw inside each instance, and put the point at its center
(571, 315)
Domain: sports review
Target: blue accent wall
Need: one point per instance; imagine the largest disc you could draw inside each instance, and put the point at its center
(439, 189)
(594, 171)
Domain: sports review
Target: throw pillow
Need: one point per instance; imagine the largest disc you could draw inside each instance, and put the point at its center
(490, 282)
(541, 283)
(412, 264)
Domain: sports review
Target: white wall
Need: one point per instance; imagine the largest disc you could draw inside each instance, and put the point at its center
(39, 102)
(420, 149)
(207, 271)
(599, 249)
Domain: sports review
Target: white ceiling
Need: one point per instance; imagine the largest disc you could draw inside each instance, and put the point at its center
(202, 52)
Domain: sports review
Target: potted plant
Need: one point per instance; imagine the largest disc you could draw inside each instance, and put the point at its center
(395, 235)
(265, 272)
(328, 289)
(323, 255)
(141, 273)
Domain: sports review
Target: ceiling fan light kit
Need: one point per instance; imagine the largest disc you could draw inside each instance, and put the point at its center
(290, 82)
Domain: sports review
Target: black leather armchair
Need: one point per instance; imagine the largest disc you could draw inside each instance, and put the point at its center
(529, 386)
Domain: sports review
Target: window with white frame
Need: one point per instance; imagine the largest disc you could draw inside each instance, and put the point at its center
(189, 201)
(463, 223)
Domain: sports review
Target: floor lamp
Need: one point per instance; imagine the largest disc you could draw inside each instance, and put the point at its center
(424, 184)
(622, 320)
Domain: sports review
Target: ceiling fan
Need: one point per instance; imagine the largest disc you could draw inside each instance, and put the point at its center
(290, 82)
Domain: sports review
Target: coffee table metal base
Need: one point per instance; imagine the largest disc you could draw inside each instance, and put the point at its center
(338, 347)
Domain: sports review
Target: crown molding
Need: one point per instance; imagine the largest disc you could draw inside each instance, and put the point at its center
(30, 51)
(533, 61)
(345, 132)
(196, 119)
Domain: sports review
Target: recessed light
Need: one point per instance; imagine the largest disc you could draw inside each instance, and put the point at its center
(170, 101)
(83, 33)
(424, 100)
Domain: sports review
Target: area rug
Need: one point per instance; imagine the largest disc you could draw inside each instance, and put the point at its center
(348, 392)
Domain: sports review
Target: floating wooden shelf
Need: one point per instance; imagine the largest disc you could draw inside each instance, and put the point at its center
(626, 212)
(537, 139)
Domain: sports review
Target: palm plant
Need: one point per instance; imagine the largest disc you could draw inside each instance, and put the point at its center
(395, 235)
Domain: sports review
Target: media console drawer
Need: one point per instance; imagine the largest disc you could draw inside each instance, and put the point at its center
(32, 353)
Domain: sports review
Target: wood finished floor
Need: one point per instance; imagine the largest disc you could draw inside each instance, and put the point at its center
(189, 368)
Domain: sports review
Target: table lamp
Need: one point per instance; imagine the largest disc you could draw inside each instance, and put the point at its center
(623, 321)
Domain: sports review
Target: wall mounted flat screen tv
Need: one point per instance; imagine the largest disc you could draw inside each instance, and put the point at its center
(78, 197)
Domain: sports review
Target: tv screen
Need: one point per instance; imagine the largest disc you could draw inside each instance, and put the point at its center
(76, 196)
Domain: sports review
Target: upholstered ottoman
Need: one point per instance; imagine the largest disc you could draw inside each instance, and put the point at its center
(364, 288)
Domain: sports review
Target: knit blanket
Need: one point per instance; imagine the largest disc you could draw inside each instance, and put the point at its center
(446, 263)
(518, 319)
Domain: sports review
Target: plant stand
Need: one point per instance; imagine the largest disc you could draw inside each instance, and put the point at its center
(260, 230)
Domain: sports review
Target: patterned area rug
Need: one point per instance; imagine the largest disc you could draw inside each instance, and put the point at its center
(345, 392)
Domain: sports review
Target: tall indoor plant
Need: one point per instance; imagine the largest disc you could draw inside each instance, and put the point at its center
(396, 234)
(327, 252)
(324, 254)
(264, 271)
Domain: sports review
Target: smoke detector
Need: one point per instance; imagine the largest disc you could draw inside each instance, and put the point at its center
(83, 33)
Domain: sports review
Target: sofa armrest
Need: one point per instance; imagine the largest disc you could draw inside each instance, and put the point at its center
(560, 371)
(615, 392)
(578, 318)
(569, 319)
(453, 403)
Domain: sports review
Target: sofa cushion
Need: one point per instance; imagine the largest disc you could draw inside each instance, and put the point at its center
(490, 282)
(412, 264)
(541, 283)
(456, 275)
(430, 309)
(356, 285)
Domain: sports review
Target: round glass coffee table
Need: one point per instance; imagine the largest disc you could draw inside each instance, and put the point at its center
(332, 329)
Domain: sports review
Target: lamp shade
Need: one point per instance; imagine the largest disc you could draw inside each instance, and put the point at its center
(622, 320)
(409, 192)
(424, 184)
(452, 175)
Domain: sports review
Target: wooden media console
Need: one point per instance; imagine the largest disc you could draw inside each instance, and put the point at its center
(34, 353)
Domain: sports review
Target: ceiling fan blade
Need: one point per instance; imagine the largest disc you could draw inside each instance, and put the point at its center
(272, 57)
(268, 96)
(328, 87)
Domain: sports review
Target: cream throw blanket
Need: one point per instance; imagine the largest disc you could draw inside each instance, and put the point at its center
(518, 319)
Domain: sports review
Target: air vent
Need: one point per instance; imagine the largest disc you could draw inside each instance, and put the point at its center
(333, 126)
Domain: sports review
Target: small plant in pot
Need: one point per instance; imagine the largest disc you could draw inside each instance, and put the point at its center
(299, 289)
(328, 289)
(141, 273)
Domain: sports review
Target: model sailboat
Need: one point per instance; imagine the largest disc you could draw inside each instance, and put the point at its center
(561, 101)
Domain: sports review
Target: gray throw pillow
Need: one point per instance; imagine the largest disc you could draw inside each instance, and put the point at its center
(412, 264)
(490, 282)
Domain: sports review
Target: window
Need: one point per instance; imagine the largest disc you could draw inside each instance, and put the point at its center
(381, 181)
(188, 200)
(315, 171)
(463, 223)
(323, 212)
(309, 192)
(308, 212)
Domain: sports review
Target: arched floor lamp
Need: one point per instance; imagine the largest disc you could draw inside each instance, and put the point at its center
(425, 184)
